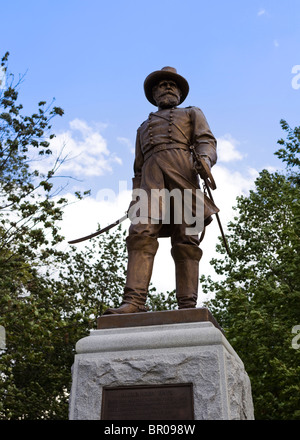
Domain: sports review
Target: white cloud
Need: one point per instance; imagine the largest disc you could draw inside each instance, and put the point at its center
(127, 142)
(227, 149)
(82, 217)
(84, 149)
(271, 169)
(261, 12)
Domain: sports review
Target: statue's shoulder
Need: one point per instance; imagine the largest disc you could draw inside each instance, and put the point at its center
(195, 112)
(193, 107)
(190, 109)
(142, 124)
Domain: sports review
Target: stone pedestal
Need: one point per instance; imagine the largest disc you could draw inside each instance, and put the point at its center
(184, 352)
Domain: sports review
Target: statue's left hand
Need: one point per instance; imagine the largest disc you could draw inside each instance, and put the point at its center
(201, 169)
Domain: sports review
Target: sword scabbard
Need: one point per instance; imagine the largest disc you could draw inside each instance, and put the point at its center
(94, 234)
(210, 184)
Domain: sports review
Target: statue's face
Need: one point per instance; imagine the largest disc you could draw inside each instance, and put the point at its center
(166, 94)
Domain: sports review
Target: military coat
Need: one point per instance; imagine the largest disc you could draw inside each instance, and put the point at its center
(162, 154)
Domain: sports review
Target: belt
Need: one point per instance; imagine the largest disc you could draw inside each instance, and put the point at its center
(162, 147)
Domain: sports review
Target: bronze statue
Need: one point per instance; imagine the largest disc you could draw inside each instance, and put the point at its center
(164, 160)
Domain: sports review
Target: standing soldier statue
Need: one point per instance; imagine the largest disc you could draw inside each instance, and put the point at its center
(173, 146)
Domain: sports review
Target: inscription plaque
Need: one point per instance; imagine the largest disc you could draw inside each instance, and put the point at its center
(148, 402)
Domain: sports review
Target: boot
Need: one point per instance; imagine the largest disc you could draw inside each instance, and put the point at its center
(141, 252)
(186, 258)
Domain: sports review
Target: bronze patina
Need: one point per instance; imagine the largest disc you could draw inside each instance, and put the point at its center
(164, 160)
(199, 314)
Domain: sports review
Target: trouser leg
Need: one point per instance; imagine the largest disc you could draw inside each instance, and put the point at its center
(141, 252)
(186, 258)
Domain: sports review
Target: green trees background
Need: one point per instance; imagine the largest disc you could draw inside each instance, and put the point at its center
(257, 301)
(49, 299)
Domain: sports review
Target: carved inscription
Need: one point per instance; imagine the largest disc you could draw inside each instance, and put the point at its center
(151, 402)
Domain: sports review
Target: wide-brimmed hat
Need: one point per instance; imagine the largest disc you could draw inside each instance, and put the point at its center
(169, 73)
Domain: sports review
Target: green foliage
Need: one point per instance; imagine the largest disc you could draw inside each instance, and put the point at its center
(49, 299)
(36, 364)
(289, 152)
(257, 300)
(96, 276)
(33, 376)
(161, 301)
(27, 220)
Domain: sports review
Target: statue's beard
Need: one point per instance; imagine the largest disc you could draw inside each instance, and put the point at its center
(168, 100)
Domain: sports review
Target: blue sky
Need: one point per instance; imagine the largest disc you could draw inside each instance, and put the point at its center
(93, 57)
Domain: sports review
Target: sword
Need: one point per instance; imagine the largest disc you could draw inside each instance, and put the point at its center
(209, 182)
(107, 228)
(218, 219)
